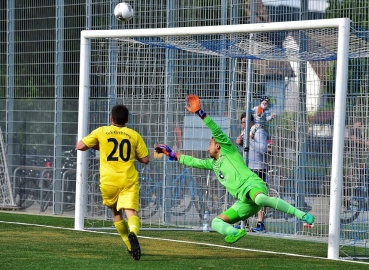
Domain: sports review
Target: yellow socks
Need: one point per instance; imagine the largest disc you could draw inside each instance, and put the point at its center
(134, 224)
(122, 229)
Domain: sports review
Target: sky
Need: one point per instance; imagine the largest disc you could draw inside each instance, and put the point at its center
(314, 5)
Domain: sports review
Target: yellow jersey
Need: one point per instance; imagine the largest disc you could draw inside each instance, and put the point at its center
(119, 147)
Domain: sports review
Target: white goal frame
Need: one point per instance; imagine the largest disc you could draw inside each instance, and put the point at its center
(343, 26)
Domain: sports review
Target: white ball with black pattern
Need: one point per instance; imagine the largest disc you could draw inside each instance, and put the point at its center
(123, 12)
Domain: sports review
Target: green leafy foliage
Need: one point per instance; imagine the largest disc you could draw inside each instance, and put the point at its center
(356, 10)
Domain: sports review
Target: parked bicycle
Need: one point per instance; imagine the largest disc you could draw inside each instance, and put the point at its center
(184, 193)
(29, 179)
(354, 205)
(68, 178)
(34, 182)
(356, 200)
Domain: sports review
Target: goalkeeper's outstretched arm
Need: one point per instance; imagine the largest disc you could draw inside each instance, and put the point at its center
(194, 106)
(184, 159)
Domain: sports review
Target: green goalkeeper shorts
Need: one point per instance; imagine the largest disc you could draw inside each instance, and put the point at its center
(242, 210)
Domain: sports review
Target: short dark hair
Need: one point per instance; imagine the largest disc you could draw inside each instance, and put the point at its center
(243, 115)
(120, 113)
(266, 98)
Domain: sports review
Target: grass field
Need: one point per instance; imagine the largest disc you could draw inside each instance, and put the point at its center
(48, 242)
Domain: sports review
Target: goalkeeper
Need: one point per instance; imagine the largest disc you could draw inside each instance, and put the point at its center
(231, 171)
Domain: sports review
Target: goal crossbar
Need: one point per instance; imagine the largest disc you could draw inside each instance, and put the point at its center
(343, 26)
(221, 29)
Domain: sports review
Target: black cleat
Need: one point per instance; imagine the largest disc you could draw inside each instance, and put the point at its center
(135, 246)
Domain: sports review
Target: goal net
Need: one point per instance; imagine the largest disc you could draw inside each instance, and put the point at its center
(229, 67)
(6, 191)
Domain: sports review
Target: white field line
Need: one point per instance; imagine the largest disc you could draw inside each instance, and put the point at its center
(188, 242)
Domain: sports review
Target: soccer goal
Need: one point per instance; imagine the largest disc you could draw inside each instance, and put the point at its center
(229, 67)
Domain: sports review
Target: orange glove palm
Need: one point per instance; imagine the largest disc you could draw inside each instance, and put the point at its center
(194, 103)
(194, 106)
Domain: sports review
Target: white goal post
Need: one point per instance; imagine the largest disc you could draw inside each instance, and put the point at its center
(343, 26)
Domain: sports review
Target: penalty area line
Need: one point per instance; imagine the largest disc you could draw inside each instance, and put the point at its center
(186, 242)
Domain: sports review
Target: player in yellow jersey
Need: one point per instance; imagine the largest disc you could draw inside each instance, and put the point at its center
(119, 147)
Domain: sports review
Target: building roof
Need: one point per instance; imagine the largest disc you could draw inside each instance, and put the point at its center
(266, 12)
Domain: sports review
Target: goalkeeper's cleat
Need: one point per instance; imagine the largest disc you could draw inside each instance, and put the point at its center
(135, 246)
(308, 218)
(259, 227)
(233, 238)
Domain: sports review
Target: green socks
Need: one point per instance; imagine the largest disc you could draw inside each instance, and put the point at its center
(223, 227)
(278, 204)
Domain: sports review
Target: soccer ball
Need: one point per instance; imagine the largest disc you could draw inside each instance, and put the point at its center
(123, 12)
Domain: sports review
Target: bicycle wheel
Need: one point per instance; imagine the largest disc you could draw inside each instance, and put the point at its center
(198, 201)
(149, 198)
(148, 205)
(182, 201)
(211, 203)
(69, 194)
(214, 195)
(25, 192)
(350, 210)
(47, 193)
(46, 200)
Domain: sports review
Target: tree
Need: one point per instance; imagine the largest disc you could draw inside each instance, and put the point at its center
(356, 10)
(358, 73)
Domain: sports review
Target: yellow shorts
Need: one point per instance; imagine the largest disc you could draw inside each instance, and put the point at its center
(123, 198)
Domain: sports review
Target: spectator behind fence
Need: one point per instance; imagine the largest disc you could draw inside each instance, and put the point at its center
(257, 159)
(261, 116)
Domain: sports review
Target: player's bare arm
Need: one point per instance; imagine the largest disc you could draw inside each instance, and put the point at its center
(144, 160)
(83, 147)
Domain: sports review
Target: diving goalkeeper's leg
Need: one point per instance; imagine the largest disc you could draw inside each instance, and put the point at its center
(238, 211)
(280, 205)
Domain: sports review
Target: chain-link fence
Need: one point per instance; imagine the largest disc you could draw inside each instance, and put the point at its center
(39, 84)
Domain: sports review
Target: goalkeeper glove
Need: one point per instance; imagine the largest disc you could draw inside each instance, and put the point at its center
(163, 148)
(194, 106)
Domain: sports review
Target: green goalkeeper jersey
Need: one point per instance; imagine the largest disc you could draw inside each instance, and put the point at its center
(230, 168)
